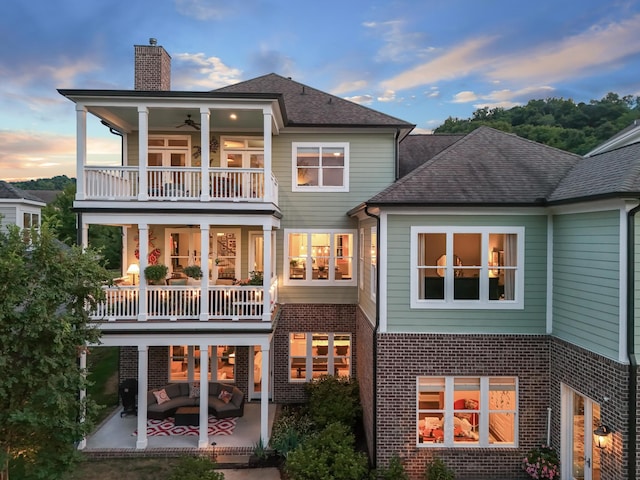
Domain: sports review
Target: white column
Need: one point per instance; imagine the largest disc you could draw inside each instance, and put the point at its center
(81, 150)
(268, 193)
(204, 264)
(143, 248)
(204, 158)
(264, 396)
(266, 273)
(84, 236)
(143, 365)
(143, 149)
(83, 395)
(203, 440)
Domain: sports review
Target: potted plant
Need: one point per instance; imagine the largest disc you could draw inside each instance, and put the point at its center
(156, 274)
(193, 271)
(255, 278)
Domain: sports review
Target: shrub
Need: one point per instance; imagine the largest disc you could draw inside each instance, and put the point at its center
(195, 468)
(328, 455)
(438, 470)
(394, 471)
(289, 430)
(542, 462)
(333, 399)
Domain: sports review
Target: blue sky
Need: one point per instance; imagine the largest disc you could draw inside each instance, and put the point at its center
(418, 60)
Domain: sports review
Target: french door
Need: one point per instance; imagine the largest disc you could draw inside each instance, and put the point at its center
(580, 417)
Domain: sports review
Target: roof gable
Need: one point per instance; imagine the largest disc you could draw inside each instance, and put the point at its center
(10, 192)
(486, 167)
(415, 150)
(307, 106)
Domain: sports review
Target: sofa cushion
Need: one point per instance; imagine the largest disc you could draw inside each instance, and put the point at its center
(237, 397)
(161, 396)
(225, 396)
(173, 404)
(194, 391)
(214, 389)
(173, 390)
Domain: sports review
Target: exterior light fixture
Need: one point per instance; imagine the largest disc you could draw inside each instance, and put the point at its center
(601, 436)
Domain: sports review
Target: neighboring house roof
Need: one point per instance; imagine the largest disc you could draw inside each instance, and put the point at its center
(46, 196)
(612, 173)
(10, 192)
(629, 135)
(306, 106)
(417, 149)
(486, 167)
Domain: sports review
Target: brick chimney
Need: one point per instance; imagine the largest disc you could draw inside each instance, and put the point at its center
(152, 67)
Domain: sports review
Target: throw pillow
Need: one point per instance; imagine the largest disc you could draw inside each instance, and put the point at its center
(161, 396)
(194, 392)
(225, 396)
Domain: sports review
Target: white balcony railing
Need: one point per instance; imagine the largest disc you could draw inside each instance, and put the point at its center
(176, 302)
(178, 183)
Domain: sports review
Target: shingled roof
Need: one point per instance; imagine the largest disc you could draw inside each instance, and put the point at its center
(415, 150)
(10, 192)
(612, 173)
(486, 167)
(306, 106)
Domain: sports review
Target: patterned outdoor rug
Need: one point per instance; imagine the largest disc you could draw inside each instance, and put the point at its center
(166, 427)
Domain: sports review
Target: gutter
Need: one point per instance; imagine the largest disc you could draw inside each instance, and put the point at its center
(375, 342)
(633, 362)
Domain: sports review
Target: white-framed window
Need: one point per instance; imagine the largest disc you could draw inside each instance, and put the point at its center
(184, 363)
(319, 257)
(374, 263)
(467, 412)
(31, 220)
(312, 355)
(467, 267)
(320, 167)
(361, 260)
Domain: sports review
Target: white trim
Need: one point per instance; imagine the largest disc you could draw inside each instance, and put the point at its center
(373, 268)
(319, 188)
(360, 259)
(308, 281)
(593, 206)
(622, 288)
(449, 303)
(382, 273)
(550, 270)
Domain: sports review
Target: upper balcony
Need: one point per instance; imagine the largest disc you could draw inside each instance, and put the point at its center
(177, 147)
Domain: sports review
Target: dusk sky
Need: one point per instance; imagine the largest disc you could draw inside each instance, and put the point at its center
(419, 60)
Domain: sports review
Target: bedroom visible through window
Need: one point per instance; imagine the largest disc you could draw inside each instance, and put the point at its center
(467, 411)
(467, 267)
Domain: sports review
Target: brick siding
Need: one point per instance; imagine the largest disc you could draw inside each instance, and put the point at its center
(152, 68)
(404, 357)
(365, 374)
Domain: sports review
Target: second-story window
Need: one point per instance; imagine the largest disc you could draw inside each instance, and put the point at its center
(320, 167)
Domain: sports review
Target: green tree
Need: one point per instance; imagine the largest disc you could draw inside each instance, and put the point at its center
(61, 218)
(45, 290)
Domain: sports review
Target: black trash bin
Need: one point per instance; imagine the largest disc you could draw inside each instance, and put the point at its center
(128, 392)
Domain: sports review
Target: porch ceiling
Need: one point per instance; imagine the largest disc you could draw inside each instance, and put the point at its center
(125, 118)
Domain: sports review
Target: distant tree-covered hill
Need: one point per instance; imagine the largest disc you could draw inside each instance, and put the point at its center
(58, 182)
(575, 127)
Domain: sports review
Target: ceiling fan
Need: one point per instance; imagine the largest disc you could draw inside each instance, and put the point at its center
(189, 123)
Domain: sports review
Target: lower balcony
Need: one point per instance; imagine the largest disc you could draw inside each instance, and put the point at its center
(173, 303)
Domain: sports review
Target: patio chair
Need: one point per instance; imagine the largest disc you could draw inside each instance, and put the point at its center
(128, 392)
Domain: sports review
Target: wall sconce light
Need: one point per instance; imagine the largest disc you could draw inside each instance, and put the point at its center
(133, 270)
(601, 436)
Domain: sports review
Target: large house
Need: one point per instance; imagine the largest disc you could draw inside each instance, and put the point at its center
(480, 288)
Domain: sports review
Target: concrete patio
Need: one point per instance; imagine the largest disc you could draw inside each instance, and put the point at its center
(115, 435)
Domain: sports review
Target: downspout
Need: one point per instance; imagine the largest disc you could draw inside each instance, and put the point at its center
(633, 362)
(374, 454)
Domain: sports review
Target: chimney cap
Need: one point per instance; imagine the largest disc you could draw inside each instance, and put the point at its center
(153, 41)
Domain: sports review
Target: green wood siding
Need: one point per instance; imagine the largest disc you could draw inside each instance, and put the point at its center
(586, 279)
(401, 318)
(367, 305)
(371, 169)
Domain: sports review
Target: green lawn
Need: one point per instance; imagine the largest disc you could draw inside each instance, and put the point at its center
(119, 468)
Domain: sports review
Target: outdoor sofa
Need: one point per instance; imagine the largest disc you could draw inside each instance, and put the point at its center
(221, 405)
